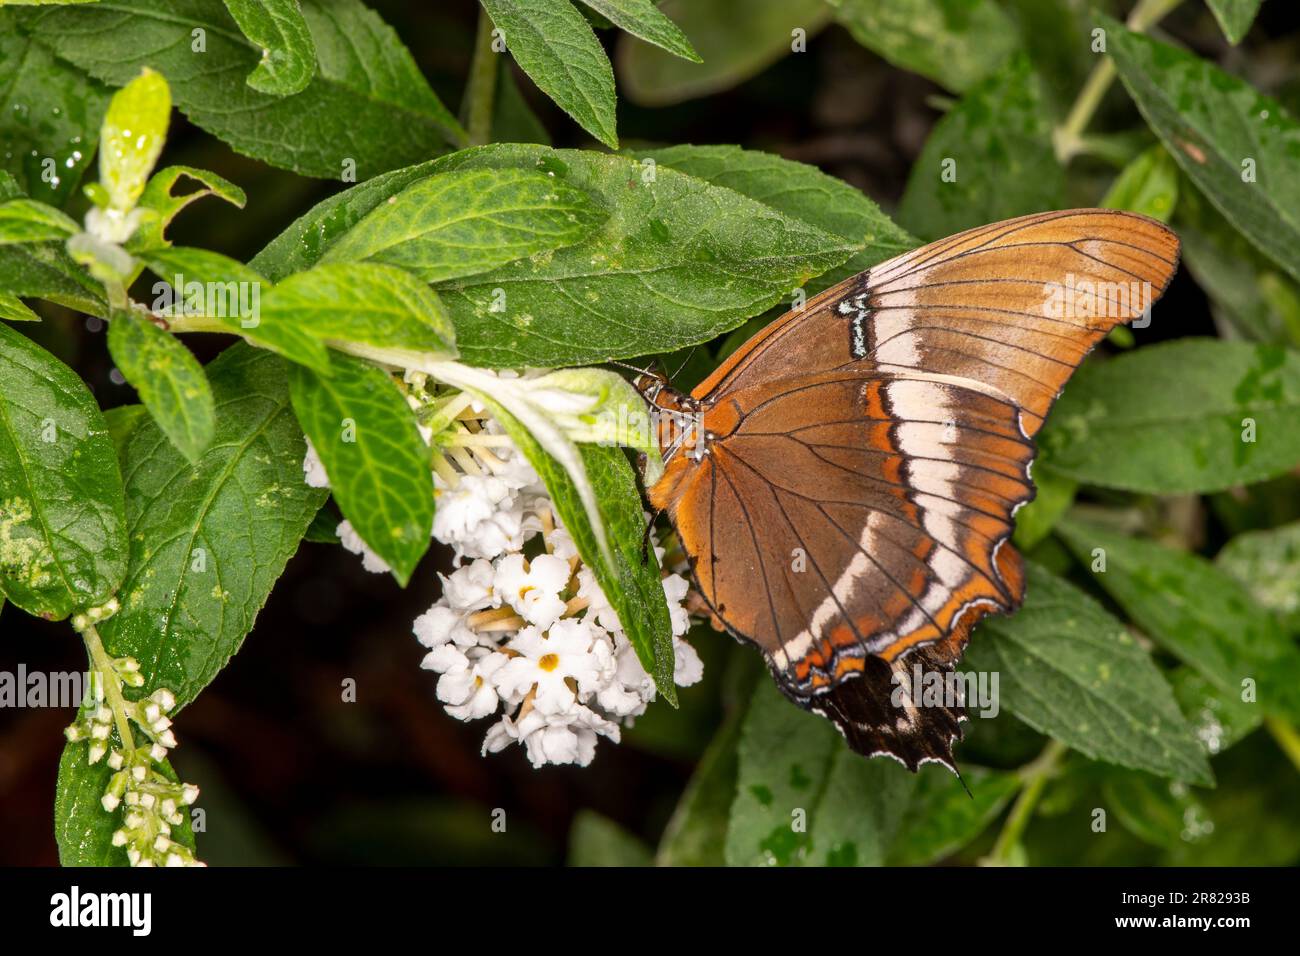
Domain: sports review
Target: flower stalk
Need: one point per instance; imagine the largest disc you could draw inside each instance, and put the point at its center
(151, 801)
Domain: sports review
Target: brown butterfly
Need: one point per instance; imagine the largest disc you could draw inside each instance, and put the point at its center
(844, 485)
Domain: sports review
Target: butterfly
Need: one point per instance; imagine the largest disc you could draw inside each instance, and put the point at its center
(844, 485)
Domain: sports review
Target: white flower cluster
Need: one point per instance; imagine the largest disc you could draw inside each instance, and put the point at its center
(153, 801)
(522, 628)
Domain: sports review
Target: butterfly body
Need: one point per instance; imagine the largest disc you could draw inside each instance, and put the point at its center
(845, 483)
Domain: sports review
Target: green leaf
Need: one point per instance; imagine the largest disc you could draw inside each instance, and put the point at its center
(324, 527)
(13, 309)
(45, 270)
(1049, 32)
(872, 812)
(367, 103)
(851, 810)
(1254, 807)
(598, 841)
(364, 305)
(736, 39)
(553, 43)
(1159, 812)
(1249, 293)
(27, 220)
(1236, 144)
(457, 224)
(1148, 185)
(1219, 719)
(990, 158)
(941, 818)
(231, 293)
(288, 54)
(62, 525)
(954, 44)
(628, 576)
(50, 114)
(208, 541)
(1197, 612)
(1070, 670)
(1235, 16)
(697, 831)
(132, 137)
(1178, 417)
(163, 204)
(785, 755)
(121, 422)
(1053, 495)
(301, 245)
(689, 260)
(1267, 564)
(642, 18)
(168, 377)
(378, 465)
(83, 829)
(514, 120)
(801, 192)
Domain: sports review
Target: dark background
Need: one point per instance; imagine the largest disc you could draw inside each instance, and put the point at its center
(292, 774)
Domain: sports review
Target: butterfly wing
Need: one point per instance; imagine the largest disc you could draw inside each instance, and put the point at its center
(1012, 306)
(851, 514)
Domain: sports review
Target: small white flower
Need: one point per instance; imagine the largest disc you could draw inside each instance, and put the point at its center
(564, 738)
(469, 691)
(675, 588)
(349, 538)
(547, 661)
(629, 671)
(533, 588)
(469, 588)
(313, 470)
(519, 475)
(562, 545)
(598, 606)
(441, 624)
(621, 700)
(478, 517)
(688, 669)
(444, 658)
(500, 736)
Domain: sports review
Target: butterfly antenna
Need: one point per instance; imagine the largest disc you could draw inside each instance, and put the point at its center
(685, 362)
(630, 368)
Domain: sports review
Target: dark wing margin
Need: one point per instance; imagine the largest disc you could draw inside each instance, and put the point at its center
(878, 715)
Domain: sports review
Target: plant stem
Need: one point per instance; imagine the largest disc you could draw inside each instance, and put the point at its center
(1068, 138)
(480, 92)
(112, 684)
(1034, 777)
(196, 323)
(1286, 736)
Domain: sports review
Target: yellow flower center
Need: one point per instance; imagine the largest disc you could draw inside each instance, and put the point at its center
(549, 662)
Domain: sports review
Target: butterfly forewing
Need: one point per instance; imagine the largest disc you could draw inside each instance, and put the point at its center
(851, 510)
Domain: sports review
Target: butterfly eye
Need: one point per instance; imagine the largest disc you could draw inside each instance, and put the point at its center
(649, 385)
